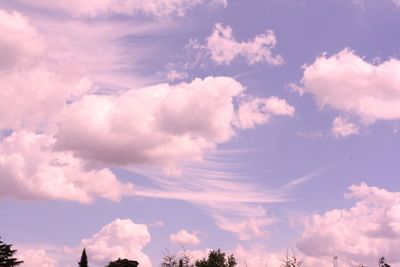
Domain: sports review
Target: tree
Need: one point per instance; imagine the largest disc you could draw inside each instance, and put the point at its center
(172, 260)
(169, 259)
(84, 261)
(291, 261)
(6, 255)
(382, 262)
(216, 258)
(123, 263)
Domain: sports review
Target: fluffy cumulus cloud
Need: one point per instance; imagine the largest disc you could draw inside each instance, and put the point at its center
(363, 233)
(36, 257)
(93, 8)
(30, 169)
(35, 100)
(348, 83)
(184, 237)
(224, 48)
(341, 127)
(122, 238)
(20, 44)
(50, 150)
(162, 124)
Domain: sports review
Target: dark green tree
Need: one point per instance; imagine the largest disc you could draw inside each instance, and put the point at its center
(217, 258)
(123, 263)
(7, 255)
(84, 261)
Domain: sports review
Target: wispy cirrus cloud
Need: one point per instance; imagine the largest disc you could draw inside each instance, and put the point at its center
(96, 8)
(236, 203)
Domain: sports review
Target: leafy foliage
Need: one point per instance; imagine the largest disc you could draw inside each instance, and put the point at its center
(6, 256)
(123, 263)
(216, 258)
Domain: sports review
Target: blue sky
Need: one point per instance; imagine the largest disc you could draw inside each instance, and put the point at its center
(130, 127)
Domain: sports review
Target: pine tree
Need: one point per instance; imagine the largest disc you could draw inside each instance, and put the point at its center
(6, 256)
(84, 260)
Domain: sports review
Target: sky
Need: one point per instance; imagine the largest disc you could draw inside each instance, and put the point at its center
(138, 128)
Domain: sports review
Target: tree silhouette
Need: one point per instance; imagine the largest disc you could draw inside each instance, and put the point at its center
(6, 255)
(172, 260)
(169, 259)
(123, 263)
(216, 258)
(382, 262)
(84, 261)
(291, 261)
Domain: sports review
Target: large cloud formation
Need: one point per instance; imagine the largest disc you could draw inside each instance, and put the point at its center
(59, 136)
(161, 124)
(122, 238)
(363, 233)
(348, 83)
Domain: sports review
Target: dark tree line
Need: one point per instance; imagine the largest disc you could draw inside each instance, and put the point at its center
(216, 258)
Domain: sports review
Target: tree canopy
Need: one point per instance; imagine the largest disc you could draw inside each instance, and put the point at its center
(217, 258)
(123, 263)
(7, 258)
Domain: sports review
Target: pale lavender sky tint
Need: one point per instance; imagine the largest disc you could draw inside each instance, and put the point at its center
(134, 126)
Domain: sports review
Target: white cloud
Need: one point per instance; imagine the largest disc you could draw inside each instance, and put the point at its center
(119, 239)
(363, 233)
(174, 75)
(36, 257)
(20, 44)
(224, 48)
(231, 199)
(34, 101)
(343, 128)
(396, 2)
(259, 110)
(94, 8)
(162, 124)
(30, 169)
(350, 84)
(184, 237)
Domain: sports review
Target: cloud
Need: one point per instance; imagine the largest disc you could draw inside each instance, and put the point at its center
(224, 48)
(184, 237)
(34, 102)
(30, 169)
(20, 44)
(232, 199)
(363, 233)
(259, 110)
(122, 238)
(36, 257)
(396, 2)
(342, 128)
(95, 8)
(162, 124)
(349, 84)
